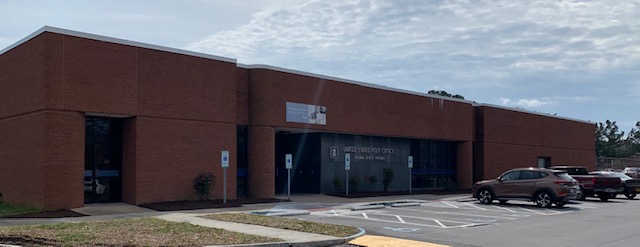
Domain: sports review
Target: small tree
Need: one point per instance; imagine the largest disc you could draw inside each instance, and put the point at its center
(202, 184)
(387, 177)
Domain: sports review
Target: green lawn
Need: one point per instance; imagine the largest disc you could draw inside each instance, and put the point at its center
(8, 209)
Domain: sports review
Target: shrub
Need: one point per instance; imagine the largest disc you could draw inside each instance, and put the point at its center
(354, 183)
(337, 183)
(371, 179)
(387, 177)
(202, 184)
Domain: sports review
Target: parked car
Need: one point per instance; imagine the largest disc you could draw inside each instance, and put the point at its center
(543, 186)
(633, 172)
(593, 185)
(631, 185)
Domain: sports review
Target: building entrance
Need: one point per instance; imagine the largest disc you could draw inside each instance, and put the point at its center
(103, 160)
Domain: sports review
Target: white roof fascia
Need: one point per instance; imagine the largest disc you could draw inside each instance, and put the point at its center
(116, 41)
(532, 112)
(364, 84)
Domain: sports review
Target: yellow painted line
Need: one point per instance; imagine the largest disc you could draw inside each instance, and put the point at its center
(380, 241)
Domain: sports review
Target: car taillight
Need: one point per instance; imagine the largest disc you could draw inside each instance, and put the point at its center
(563, 182)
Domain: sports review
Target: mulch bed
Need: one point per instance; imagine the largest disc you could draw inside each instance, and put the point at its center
(61, 213)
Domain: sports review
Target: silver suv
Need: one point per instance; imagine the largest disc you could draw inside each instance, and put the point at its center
(542, 186)
(633, 172)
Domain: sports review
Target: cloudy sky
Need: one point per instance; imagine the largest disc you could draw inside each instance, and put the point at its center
(577, 59)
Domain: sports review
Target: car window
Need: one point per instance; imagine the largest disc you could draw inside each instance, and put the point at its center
(564, 176)
(510, 176)
(529, 175)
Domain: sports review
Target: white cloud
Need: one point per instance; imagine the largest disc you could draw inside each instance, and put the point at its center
(537, 54)
(451, 40)
(526, 103)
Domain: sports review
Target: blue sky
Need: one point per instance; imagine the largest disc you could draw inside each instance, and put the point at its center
(577, 59)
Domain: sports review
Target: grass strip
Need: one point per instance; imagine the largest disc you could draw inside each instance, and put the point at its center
(127, 232)
(7, 209)
(287, 223)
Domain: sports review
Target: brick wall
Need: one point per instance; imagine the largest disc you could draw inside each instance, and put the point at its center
(170, 153)
(22, 160)
(513, 139)
(357, 109)
(64, 162)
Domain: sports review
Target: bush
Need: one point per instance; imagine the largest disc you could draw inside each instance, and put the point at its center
(354, 183)
(337, 183)
(371, 179)
(387, 177)
(202, 184)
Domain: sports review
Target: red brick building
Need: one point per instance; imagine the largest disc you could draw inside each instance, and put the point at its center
(87, 118)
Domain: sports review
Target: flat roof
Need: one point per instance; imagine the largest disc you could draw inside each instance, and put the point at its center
(262, 66)
(116, 41)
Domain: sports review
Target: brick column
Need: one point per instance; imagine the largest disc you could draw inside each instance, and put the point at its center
(261, 162)
(64, 161)
(465, 165)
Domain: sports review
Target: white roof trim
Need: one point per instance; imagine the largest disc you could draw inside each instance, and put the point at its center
(532, 112)
(364, 84)
(116, 41)
(262, 66)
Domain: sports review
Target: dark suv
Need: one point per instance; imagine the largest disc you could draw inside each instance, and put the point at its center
(542, 186)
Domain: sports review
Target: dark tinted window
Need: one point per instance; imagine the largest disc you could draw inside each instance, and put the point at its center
(530, 175)
(510, 176)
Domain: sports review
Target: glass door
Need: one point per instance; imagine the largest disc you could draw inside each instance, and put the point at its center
(103, 160)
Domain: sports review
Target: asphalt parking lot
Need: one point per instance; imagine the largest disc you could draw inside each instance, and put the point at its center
(469, 223)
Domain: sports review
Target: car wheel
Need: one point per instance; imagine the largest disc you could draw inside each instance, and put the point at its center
(543, 199)
(485, 196)
(503, 202)
(630, 195)
(582, 195)
(604, 196)
(613, 196)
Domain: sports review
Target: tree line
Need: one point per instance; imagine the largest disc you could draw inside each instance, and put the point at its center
(612, 142)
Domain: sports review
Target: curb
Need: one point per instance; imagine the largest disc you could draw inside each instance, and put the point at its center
(331, 242)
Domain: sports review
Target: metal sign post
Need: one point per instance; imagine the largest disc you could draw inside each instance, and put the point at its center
(410, 163)
(225, 164)
(347, 167)
(288, 164)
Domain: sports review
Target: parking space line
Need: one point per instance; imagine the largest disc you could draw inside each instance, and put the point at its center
(400, 219)
(471, 205)
(459, 214)
(503, 208)
(533, 211)
(454, 206)
(365, 216)
(389, 221)
(439, 223)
